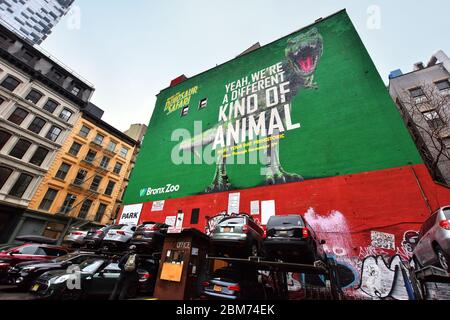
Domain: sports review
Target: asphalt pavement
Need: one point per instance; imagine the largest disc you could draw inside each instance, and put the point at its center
(11, 293)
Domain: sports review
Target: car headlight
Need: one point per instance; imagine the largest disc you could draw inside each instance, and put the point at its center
(62, 279)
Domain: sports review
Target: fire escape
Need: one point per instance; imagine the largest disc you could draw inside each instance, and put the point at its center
(86, 184)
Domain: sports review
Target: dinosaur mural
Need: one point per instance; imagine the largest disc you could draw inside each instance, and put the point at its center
(302, 56)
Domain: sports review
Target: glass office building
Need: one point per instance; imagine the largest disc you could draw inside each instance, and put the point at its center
(33, 19)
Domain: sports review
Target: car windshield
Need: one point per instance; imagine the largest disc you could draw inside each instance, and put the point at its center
(447, 213)
(285, 221)
(90, 266)
(234, 220)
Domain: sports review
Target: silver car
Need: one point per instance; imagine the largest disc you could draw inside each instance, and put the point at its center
(433, 246)
(237, 235)
(119, 236)
(76, 237)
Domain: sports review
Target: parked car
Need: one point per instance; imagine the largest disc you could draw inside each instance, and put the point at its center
(291, 239)
(98, 277)
(118, 237)
(433, 247)
(28, 252)
(95, 237)
(232, 283)
(150, 236)
(75, 237)
(25, 273)
(237, 235)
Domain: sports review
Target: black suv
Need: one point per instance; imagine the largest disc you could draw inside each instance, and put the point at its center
(150, 236)
(237, 235)
(291, 239)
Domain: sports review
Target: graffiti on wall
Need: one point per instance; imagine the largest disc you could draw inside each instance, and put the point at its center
(376, 271)
(383, 240)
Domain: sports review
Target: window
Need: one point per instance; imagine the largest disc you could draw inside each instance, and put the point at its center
(95, 183)
(184, 111)
(53, 252)
(65, 115)
(105, 162)
(18, 116)
(34, 96)
(416, 92)
(123, 152)
(443, 85)
(75, 90)
(63, 171)
(48, 199)
(21, 185)
(90, 157)
(53, 133)
(195, 216)
(203, 104)
(84, 131)
(100, 212)
(112, 146)
(68, 203)
(418, 95)
(433, 119)
(39, 156)
(20, 149)
(55, 74)
(99, 139)
(4, 138)
(37, 125)
(79, 180)
(50, 105)
(85, 207)
(28, 57)
(118, 168)
(10, 83)
(75, 149)
(30, 250)
(110, 188)
(5, 173)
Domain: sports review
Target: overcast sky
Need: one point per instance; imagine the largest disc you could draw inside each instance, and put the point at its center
(130, 50)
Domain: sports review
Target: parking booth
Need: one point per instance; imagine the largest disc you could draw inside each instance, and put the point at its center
(181, 268)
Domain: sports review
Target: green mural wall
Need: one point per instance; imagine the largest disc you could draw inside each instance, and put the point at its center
(348, 122)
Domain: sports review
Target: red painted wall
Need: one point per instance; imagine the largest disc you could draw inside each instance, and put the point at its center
(389, 201)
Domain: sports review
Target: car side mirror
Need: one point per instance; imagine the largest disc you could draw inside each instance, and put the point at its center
(13, 253)
(322, 242)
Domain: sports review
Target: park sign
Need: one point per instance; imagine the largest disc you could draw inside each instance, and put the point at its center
(308, 106)
(131, 214)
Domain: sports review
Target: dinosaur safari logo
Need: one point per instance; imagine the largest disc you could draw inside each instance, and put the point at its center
(255, 113)
(179, 100)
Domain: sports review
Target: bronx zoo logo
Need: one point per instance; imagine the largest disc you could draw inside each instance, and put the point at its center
(168, 188)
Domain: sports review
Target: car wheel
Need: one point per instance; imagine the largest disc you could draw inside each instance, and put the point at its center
(443, 259)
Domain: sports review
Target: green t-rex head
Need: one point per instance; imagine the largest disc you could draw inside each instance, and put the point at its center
(304, 51)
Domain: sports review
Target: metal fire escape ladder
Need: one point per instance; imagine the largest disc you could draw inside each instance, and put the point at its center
(100, 169)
